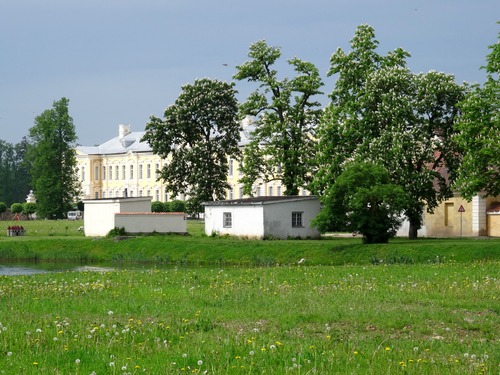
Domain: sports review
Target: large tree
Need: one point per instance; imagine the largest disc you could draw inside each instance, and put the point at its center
(286, 115)
(479, 133)
(363, 199)
(380, 111)
(196, 136)
(14, 177)
(53, 161)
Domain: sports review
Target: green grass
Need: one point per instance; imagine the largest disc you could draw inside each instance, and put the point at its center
(233, 306)
(389, 319)
(60, 241)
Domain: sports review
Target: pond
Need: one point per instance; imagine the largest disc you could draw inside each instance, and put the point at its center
(11, 269)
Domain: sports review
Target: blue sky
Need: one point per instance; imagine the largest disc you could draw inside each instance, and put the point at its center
(120, 61)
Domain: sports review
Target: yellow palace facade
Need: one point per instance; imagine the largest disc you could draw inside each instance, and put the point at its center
(125, 166)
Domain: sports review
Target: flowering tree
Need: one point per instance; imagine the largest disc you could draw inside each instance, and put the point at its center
(283, 142)
(195, 137)
(479, 134)
(380, 111)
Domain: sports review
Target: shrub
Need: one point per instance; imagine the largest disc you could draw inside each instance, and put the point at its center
(177, 206)
(157, 206)
(16, 208)
(3, 207)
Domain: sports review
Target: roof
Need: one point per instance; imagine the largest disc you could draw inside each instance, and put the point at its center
(118, 145)
(260, 201)
(494, 207)
(131, 142)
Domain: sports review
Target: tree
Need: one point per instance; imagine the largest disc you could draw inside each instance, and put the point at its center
(363, 200)
(283, 142)
(53, 161)
(3, 208)
(16, 208)
(479, 134)
(14, 178)
(29, 208)
(197, 135)
(380, 111)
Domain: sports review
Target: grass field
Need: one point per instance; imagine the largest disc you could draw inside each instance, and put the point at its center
(390, 319)
(232, 306)
(60, 241)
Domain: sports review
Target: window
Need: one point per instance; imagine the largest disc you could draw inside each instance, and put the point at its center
(270, 191)
(148, 171)
(131, 172)
(103, 172)
(148, 193)
(141, 167)
(231, 166)
(110, 173)
(124, 172)
(140, 193)
(227, 220)
(240, 191)
(157, 195)
(230, 193)
(258, 191)
(297, 220)
(83, 173)
(96, 173)
(96, 195)
(157, 171)
(278, 191)
(104, 194)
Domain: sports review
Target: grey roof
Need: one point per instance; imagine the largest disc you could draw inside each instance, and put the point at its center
(258, 201)
(130, 142)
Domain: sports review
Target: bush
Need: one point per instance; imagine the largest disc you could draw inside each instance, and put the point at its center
(16, 208)
(117, 232)
(29, 208)
(157, 206)
(177, 206)
(3, 207)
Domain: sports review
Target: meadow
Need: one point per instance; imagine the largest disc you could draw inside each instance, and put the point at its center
(385, 319)
(222, 305)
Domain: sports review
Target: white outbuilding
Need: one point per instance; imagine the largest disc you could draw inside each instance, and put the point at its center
(132, 214)
(263, 217)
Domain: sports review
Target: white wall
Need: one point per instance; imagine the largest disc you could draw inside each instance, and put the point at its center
(261, 220)
(278, 219)
(99, 217)
(99, 214)
(247, 220)
(152, 222)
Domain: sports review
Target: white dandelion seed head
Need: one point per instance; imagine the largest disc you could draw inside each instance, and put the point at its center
(200, 362)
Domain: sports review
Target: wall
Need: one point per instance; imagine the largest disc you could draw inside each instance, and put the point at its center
(246, 220)
(174, 222)
(278, 219)
(99, 214)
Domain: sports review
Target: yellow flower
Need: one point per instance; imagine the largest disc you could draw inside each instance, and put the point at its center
(387, 349)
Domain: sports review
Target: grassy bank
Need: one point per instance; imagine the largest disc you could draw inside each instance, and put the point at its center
(392, 319)
(61, 241)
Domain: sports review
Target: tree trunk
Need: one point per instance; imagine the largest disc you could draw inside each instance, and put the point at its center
(413, 231)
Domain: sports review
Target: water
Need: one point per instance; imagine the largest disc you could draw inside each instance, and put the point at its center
(12, 269)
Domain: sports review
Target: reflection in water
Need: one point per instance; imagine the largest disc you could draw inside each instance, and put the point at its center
(30, 269)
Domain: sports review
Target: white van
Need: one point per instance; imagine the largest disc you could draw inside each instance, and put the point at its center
(74, 215)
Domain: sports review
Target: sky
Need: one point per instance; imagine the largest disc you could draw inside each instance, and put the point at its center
(121, 61)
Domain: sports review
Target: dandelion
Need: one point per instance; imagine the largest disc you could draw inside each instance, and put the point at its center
(111, 364)
(9, 354)
(110, 312)
(38, 330)
(77, 361)
(415, 349)
(387, 349)
(200, 362)
(251, 352)
(466, 355)
(272, 347)
(184, 355)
